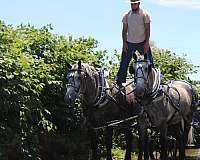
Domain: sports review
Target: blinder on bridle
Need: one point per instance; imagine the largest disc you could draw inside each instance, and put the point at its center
(71, 76)
(133, 71)
(143, 70)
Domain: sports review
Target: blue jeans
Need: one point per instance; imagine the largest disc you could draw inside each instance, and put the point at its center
(127, 56)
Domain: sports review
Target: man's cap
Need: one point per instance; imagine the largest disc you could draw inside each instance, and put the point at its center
(133, 1)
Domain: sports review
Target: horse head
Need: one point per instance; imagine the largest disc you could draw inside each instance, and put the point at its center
(74, 76)
(141, 71)
(81, 79)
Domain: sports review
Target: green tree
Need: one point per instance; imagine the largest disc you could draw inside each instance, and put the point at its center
(32, 77)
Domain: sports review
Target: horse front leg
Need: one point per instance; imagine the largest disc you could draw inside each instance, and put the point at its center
(143, 145)
(143, 138)
(128, 138)
(163, 142)
(93, 153)
(108, 142)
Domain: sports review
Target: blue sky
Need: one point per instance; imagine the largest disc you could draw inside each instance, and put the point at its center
(175, 23)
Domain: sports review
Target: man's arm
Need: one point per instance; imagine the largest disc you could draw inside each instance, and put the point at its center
(124, 36)
(147, 36)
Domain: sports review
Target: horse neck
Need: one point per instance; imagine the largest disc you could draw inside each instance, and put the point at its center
(91, 88)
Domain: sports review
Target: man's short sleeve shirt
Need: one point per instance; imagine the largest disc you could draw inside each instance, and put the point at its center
(136, 25)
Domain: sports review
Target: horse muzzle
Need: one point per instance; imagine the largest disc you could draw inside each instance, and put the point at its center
(70, 98)
(139, 92)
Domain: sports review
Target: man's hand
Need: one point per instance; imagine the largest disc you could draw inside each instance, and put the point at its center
(125, 47)
(146, 47)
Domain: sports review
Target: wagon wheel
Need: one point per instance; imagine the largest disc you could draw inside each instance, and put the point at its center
(155, 148)
(196, 127)
(171, 148)
(196, 132)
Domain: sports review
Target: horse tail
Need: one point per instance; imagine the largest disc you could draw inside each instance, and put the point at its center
(191, 138)
(195, 99)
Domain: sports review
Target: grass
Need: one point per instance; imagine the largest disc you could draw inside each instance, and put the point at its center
(118, 154)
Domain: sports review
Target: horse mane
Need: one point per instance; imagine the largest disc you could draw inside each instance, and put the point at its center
(87, 68)
(156, 79)
(90, 70)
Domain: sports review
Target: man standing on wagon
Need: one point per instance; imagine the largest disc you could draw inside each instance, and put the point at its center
(135, 36)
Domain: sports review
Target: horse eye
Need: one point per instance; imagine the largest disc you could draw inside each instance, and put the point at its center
(79, 77)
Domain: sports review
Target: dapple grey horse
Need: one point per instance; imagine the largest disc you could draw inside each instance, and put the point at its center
(102, 102)
(163, 106)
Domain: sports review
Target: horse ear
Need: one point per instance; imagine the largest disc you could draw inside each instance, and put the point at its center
(69, 66)
(79, 67)
(150, 67)
(79, 64)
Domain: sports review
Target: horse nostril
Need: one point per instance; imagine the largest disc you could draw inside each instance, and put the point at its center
(69, 101)
(139, 91)
(141, 94)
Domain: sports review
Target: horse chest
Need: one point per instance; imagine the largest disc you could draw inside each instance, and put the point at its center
(156, 113)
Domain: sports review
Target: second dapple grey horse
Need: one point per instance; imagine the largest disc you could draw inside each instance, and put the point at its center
(163, 106)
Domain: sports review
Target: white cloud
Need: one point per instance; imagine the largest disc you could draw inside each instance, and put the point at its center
(179, 3)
